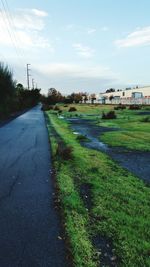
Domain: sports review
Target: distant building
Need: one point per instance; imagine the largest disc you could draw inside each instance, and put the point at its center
(138, 95)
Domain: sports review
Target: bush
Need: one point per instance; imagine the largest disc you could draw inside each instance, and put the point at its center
(46, 107)
(146, 119)
(109, 116)
(146, 108)
(120, 107)
(72, 109)
(65, 152)
(134, 107)
(82, 138)
(56, 108)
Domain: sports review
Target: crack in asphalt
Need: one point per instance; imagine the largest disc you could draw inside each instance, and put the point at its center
(10, 190)
(24, 152)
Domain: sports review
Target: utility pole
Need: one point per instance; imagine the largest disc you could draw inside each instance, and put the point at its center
(28, 75)
(32, 83)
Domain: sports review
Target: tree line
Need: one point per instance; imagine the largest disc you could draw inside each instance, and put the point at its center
(14, 97)
(54, 96)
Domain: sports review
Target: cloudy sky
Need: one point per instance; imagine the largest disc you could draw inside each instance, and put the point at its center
(77, 45)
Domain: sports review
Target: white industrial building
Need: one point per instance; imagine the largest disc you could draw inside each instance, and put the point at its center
(128, 96)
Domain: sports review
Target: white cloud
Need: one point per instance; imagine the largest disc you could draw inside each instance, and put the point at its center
(83, 51)
(27, 28)
(39, 13)
(91, 31)
(30, 19)
(75, 70)
(140, 37)
(76, 77)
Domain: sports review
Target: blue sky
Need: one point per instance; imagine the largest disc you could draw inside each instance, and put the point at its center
(77, 45)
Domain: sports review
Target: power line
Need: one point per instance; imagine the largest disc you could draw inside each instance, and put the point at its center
(13, 23)
(9, 22)
(8, 27)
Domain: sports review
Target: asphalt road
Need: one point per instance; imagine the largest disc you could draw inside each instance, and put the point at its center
(29, 224)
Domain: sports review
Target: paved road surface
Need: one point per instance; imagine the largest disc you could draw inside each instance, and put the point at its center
(29, 225)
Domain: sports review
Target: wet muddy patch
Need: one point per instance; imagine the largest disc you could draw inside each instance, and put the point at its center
(136, 162)
(105, 251)
(143, 113)
(85, 193)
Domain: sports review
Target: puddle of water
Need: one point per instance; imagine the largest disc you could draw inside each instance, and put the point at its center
(134, 161)
(144, 113)
(85, 192)
(60, 117)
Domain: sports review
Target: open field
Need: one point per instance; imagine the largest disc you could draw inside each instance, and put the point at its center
(133, 132)
(106, 208)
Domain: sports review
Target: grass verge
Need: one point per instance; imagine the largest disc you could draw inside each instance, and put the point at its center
(120, 203)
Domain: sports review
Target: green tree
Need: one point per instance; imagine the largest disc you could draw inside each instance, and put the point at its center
(7, 90)
(54, 96)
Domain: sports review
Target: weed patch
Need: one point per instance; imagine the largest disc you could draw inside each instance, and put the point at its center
(109, 116)
(72, 109)
(146, 119)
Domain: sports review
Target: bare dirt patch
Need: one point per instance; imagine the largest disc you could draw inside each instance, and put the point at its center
(105, 251)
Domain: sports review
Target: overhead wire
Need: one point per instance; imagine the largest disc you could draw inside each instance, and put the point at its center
(10, 31)
(15, 33)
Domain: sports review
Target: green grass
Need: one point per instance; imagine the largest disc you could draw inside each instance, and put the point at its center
(120, 202)
(133, 132)
(128, 139)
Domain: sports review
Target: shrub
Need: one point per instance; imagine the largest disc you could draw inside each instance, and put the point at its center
(72, 109)
(134, 107)
(56, 108)
(46, 107)
(63, 151)
(82, 138)
(109, 116)
(120, 107)
(146, 108)
(146, 119)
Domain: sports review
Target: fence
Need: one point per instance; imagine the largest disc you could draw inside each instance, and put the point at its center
(129, 101)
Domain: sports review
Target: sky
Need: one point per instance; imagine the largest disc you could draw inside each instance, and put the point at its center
(77, 45)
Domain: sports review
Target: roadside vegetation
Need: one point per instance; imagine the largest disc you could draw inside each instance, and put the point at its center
(133, 128)
(14, 97)
(106, 208)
